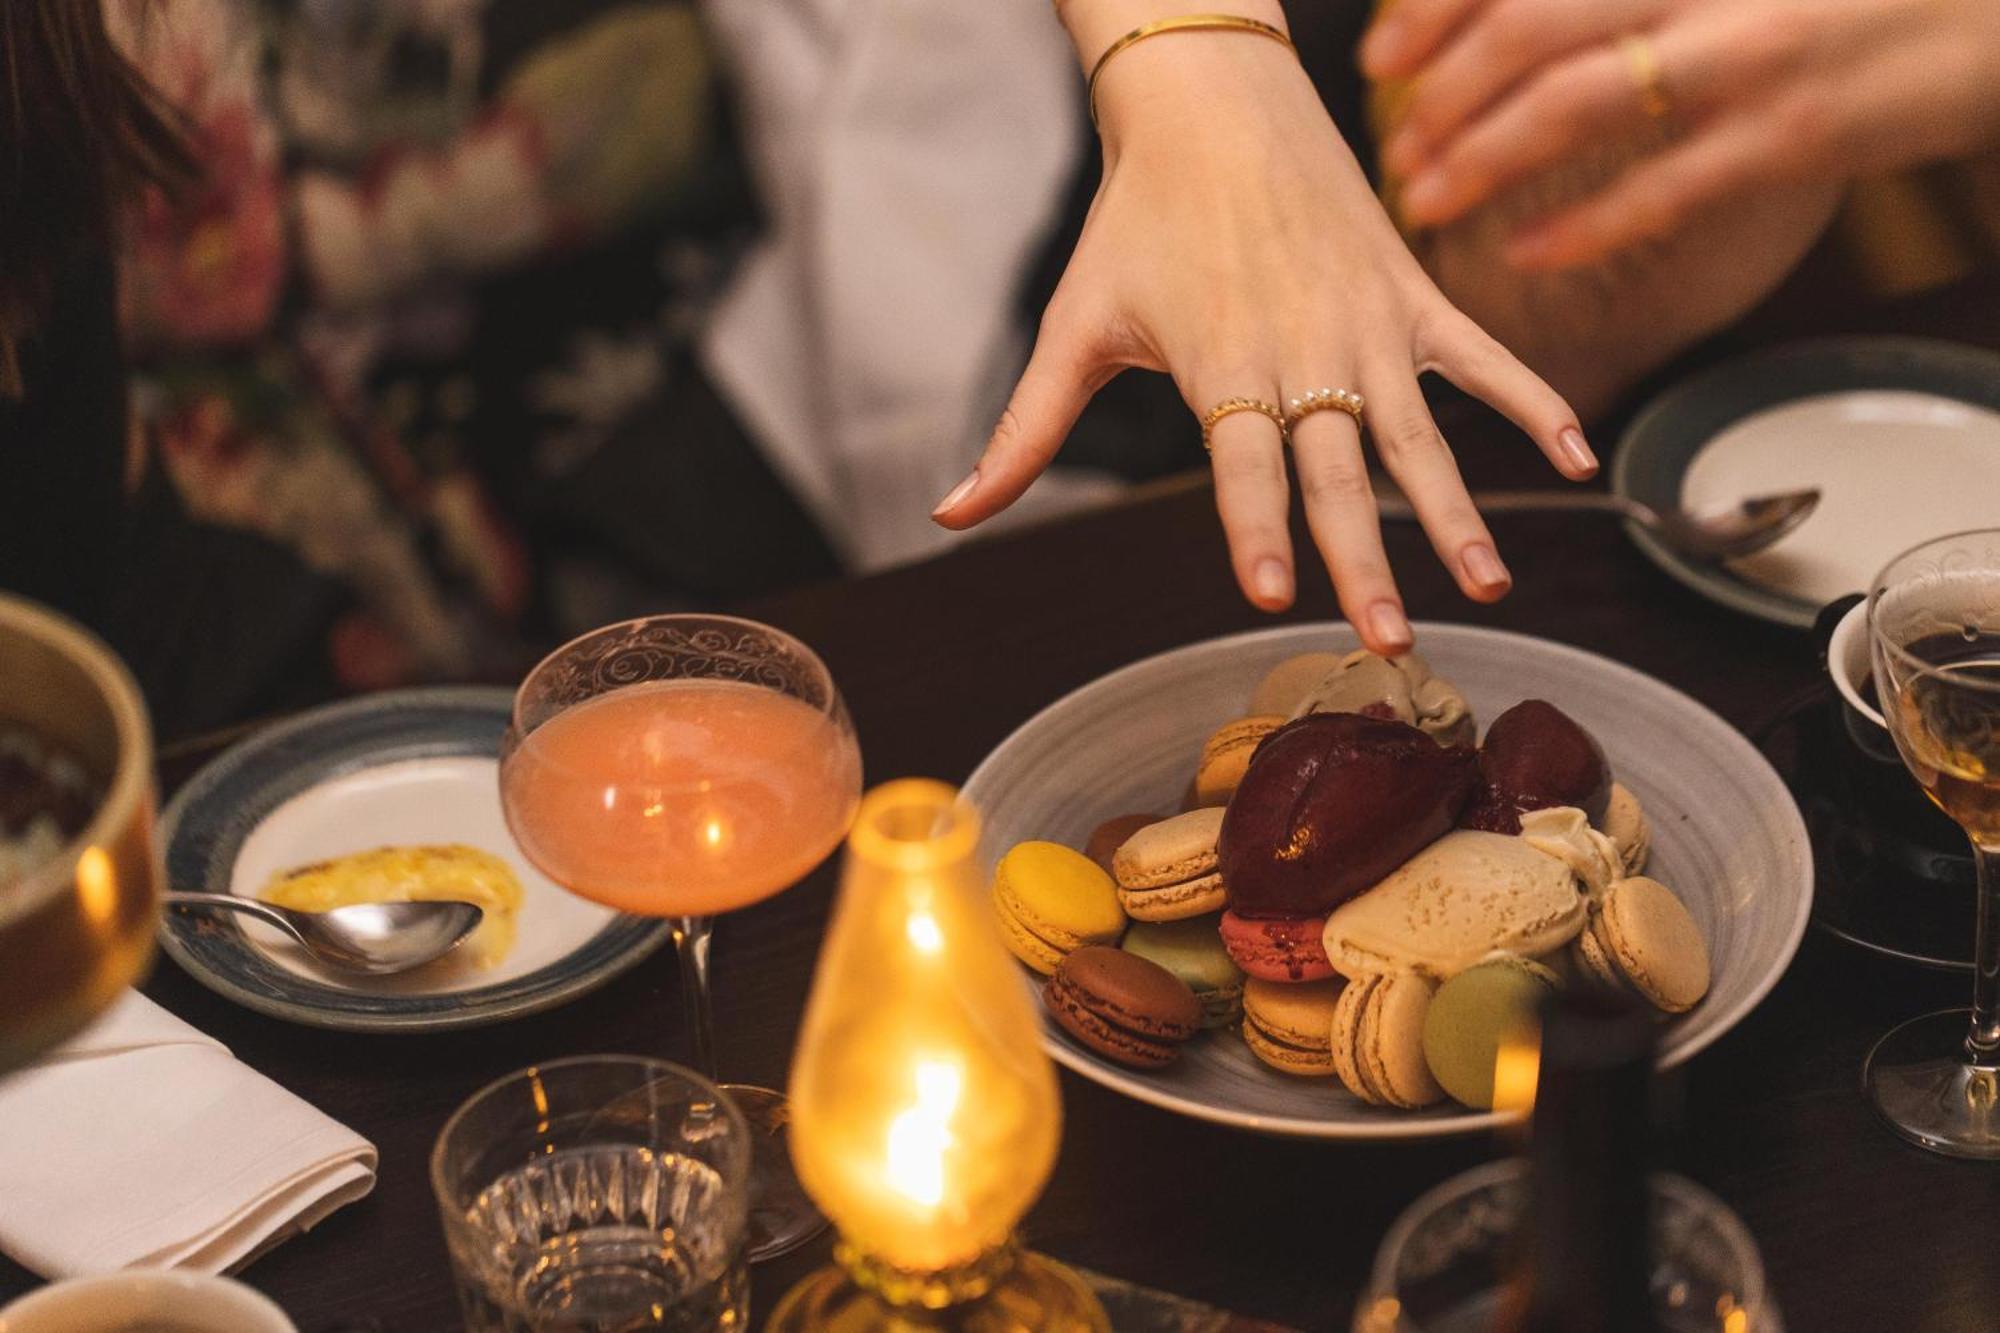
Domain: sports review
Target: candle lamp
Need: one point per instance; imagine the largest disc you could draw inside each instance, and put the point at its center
(925, 1118)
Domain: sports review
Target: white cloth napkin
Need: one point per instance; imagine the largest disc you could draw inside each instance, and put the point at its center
(144, 1143)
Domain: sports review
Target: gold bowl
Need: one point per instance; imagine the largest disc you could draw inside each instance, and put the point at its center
(78, 929)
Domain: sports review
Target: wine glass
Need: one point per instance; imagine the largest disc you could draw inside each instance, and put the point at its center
(1934, 632)
(680, 766)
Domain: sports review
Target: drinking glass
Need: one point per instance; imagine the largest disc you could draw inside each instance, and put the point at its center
(601, 1194)
(77, 928)
(680, 766)
(1934, 634)
(1443, 1267)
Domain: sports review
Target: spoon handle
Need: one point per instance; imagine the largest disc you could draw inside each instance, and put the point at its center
(231, 902)
(1395, 505)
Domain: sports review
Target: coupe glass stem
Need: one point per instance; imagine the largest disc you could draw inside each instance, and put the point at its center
(691, 936)
(1983, 1044)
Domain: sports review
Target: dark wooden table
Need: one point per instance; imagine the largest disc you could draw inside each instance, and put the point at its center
(938, 663)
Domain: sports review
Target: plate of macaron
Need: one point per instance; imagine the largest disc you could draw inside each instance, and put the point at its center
(1277, 882)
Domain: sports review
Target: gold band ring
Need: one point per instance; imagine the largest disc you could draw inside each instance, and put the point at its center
(1230, 405)
(1323, 400)
(1644, 65)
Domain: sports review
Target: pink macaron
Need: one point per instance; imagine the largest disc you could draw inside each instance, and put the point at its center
(1278, 948)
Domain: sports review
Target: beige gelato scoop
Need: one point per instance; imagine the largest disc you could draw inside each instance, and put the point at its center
(1467, 895)
(1564, 832)
(1402, 688)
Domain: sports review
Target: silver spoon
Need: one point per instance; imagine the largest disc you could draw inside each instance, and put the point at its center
(364, 937)
(1750, 525)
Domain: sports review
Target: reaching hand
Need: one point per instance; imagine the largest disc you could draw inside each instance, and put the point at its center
(1235, 243)
(1748, 93)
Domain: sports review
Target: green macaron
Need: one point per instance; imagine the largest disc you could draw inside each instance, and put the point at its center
(1192, 951)
(1474, 1014)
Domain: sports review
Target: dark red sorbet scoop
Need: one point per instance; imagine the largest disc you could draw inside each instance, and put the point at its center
(1330, 804)
(1535, 756)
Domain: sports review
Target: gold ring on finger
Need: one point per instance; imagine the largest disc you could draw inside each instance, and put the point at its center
(1322, 400)
(1232, 405)
(1643, 62)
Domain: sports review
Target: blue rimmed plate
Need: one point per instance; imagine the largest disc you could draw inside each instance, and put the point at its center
(1901, 435)
(410, 766)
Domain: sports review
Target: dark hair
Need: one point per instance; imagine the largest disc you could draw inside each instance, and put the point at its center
(80, 131)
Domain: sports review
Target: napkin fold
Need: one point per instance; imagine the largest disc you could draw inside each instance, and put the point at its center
(144, 1143)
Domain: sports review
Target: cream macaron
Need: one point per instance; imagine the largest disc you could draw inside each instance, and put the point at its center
(1378, 1041)
(1167, 871)
(1625, 824)
(1641, 938)
(1467, 895)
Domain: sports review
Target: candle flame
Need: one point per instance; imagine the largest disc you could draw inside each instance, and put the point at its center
(920, 1136)
(923, 931)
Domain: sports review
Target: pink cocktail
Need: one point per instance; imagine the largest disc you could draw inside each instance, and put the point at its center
(682, 797)
(680, 766)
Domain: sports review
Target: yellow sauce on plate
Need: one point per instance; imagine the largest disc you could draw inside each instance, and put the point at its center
(450, 871)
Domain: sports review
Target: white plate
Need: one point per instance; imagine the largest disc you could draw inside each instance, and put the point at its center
(1726, 835)
(1894, 467)
(1901, 436)
(406, 767)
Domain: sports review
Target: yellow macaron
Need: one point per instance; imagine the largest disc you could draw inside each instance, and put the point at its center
(1226, 754)
(1051, 901)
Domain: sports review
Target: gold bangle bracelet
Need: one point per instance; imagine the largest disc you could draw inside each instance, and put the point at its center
(1184, 23)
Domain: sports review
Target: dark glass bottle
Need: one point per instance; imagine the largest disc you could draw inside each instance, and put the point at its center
(1584, 1250)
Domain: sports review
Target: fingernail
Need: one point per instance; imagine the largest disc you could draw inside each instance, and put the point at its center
(1576, 451)
(1386, 619)
(1271, 581)
(1425, 196)
(1483, 567)
(958, 493)
(1382, 48)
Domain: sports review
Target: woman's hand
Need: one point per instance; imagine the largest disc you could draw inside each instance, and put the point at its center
(1759, 92)
(1235, 244)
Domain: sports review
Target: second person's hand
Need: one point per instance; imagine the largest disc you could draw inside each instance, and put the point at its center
(1235, 244)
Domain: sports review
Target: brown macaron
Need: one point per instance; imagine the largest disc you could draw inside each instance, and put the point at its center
(1108, 837)
(1123, 1007)
(1226, 754)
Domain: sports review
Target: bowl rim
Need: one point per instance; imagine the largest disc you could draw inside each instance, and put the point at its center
(131, 779)
(1417, 1125)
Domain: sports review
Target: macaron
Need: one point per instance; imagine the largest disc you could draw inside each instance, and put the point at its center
(1192, 950)
(1288, 1027)
(1226, 754)
(1122, 1006)
(1167, 871)
(1287, 683)
(1283, 949)
(1625, 824)
(1377, 1041)
(1474, 1014)
(1463, 897)
(1641, 938)
(1051, 901)
(1108, 837)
